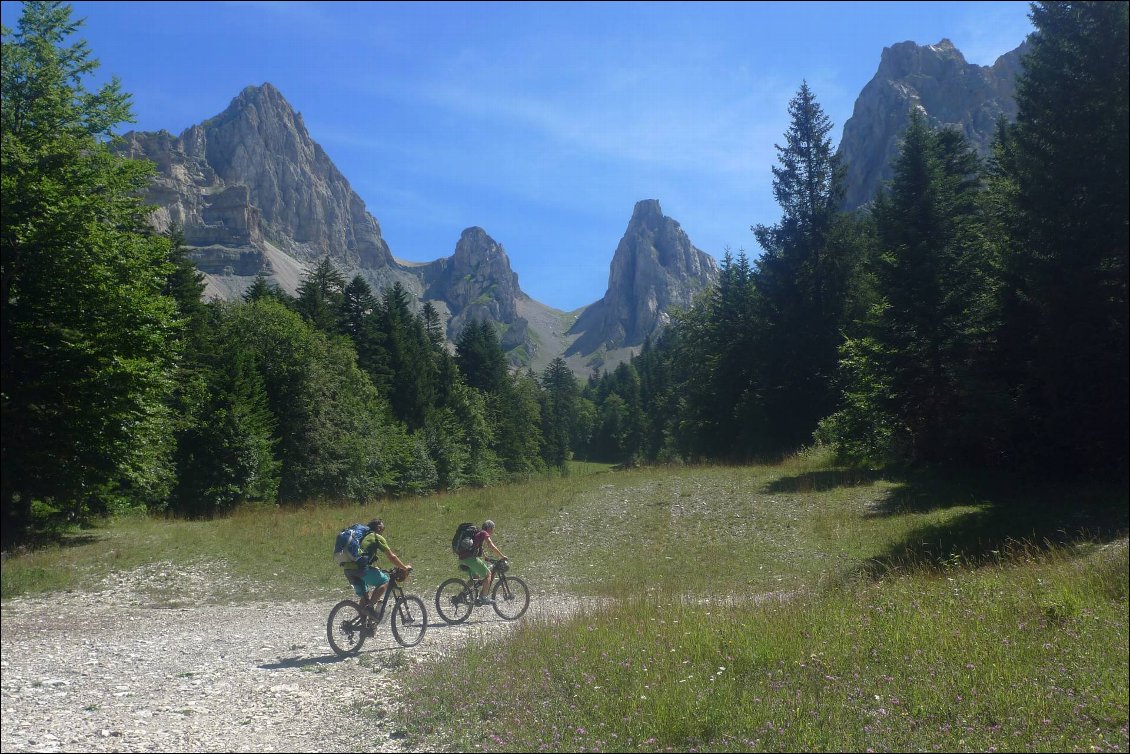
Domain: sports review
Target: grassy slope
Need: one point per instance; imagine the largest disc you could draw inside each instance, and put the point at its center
(912, 614)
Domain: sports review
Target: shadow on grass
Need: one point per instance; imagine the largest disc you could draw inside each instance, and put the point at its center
(1006, 515)
(46, 540)
(823, 480)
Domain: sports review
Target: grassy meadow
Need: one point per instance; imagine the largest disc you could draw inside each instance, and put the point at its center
(782, 608)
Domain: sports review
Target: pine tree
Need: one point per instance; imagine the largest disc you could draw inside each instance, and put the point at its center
(1063, 167)
(929, 322)
(86, 344)
(321, 297)
(802, 282)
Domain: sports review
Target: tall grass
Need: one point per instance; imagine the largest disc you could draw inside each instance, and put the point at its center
(1025, 656)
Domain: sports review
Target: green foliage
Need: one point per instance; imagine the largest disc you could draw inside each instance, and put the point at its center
(88, 336)
(321, 297)
(559, 413)
(225, 452)
(460, 439)
(334, 436)
(911, 378)
(1063, 166)
(803, 281)
(408, 357)
(516, 416)
(261, 288)
(480, 358)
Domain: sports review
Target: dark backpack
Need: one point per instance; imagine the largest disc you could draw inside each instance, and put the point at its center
(347, 546)
(463, 543)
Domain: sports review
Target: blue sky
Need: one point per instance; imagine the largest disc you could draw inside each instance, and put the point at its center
(542, 123)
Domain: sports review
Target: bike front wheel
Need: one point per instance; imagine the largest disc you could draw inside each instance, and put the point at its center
(511, 598)
(454, 601)
(346, 628)
(409, 620)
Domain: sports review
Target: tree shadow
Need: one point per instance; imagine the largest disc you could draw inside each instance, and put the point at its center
(1005, 517)
(45, 539)
(824, 480)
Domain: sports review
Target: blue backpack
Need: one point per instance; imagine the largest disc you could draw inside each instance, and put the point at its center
(347, 546)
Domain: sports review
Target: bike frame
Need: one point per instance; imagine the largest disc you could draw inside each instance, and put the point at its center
(477, 583)
(392, 586)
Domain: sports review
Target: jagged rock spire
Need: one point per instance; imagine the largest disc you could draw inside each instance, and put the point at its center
(655, 268)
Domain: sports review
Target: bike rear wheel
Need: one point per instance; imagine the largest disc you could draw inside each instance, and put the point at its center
(409, 620)
(511, 597)
(454, 601)
(346, 628)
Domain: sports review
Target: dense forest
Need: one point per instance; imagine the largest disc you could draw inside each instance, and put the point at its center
(973, 315)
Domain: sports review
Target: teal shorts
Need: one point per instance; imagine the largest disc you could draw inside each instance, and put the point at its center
(361, 581)
(476, 566)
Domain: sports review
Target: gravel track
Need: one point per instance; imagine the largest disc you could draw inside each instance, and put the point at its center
(117, 670)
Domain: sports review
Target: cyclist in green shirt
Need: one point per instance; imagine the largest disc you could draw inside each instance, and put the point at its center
(361, 576)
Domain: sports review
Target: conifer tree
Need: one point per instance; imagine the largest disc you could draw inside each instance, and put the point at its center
(321, 297)
(225, 450)
(86, 328)
(802, 281)
(480, 358)
(559, 412)
(412, 362)
(1063, 167)
(929, 322)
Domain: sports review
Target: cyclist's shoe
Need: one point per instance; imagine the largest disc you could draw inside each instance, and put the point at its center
(484, 601)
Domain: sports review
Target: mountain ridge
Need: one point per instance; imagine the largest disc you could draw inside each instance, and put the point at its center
(254, 193)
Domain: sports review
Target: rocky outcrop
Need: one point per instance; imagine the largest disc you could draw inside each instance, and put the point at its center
(252, 192)
(252, 175)
(937, 80)
(477, 283)
(655, 269)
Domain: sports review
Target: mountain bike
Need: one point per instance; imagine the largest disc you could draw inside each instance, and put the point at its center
(350, 624)
(456, 598)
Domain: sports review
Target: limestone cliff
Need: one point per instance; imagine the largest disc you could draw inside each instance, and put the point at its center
(936, 79)
(655, 269)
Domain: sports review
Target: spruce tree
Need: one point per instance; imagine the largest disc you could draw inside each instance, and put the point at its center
(931, 277)
(1063, 169)
(321, 297)
(87, 346)
(559, 412)
(802, 281)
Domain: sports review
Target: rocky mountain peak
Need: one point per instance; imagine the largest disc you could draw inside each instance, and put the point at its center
(476, 283)
(254, 193)
(937, 80)
(647, 212)
(655, 268)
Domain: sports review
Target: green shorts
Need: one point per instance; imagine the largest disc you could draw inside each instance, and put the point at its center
(476, 566)
(362, 580)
